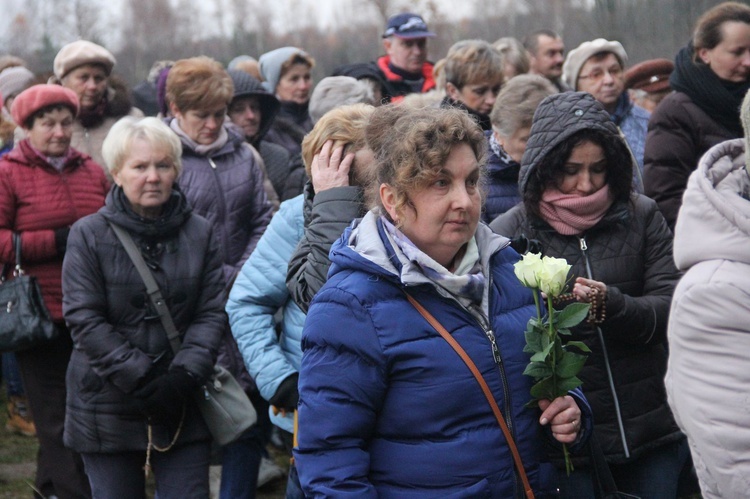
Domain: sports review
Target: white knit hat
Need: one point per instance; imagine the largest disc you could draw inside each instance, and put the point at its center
(577, 58)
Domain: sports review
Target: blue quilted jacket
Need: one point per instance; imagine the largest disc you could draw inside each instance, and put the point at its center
(258, 294)
(502, 184)
(387, 408)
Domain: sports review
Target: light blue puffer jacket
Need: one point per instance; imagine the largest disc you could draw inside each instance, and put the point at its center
(258, 293)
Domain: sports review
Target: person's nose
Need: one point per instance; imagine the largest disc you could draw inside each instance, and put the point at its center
(490, 98)
(746, 60)
(212, 123)
(584, 183)
(250, 113)
(58, 130)
(152, 176)
(462, 197)
(90, 84)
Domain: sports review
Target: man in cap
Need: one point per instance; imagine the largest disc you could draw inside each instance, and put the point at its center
(545, 49)
(648, 82)
(405, 67)
(598, 67)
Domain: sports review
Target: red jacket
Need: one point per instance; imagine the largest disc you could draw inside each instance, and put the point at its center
(36, 199)
(396, 88)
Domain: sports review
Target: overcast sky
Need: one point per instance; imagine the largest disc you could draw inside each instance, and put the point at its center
(324, 13)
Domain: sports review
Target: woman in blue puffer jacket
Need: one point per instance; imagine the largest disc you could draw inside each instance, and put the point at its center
(387, 408)
(259, 292)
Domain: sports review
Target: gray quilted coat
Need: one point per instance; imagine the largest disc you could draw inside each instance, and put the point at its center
(630, 250)
(117, 335)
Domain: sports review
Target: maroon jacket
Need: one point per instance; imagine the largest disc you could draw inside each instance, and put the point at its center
(36, 199)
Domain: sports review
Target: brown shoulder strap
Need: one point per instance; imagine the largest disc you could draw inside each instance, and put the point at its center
(486, 389)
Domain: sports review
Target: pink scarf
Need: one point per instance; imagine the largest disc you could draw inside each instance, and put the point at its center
(570, 214)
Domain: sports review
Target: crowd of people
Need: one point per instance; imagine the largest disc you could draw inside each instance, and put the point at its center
(346, 250)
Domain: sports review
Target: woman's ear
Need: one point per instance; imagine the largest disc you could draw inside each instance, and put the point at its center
(453, 91)
(116, 177)
(174, 110)
(389, 199)
(705, 56)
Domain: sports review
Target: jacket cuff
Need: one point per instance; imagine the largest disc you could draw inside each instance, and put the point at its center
(344, 193)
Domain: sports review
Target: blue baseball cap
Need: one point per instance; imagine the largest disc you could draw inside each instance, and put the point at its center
(407, 25)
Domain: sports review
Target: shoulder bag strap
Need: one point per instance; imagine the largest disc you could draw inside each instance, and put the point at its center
(152, 288)
(486, 389)
(17, 248)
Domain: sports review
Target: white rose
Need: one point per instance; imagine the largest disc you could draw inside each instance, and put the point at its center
(527, 270)
(553, 275)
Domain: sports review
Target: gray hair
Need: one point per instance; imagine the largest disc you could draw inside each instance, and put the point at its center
(513, 54)
(335, 91)
(517, 102)
(119, 141)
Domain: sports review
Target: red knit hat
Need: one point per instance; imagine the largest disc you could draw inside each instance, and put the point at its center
(37, 97)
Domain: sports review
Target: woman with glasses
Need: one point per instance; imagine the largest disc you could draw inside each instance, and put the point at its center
(597, 67)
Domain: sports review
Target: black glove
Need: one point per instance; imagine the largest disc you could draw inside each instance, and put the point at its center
(163, 398)
(523, 244)
(61, 239)
(287, 394)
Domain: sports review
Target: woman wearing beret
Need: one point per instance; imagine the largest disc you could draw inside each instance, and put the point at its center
(711, 76)
(45, 186)
(86, 69)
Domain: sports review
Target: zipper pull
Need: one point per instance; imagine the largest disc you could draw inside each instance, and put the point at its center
(211, 162)
(495, 349)
(584, 247)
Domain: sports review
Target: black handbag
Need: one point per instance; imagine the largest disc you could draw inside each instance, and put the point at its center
(25, 321)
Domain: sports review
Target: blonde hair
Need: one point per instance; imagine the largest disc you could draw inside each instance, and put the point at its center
(517, 102)
(199, 83)
(344, 125)
(119, 141)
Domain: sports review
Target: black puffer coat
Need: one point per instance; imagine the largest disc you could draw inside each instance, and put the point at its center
(118, 336)
(630, 250)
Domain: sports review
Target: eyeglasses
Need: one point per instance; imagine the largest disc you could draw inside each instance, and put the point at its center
(598, 74)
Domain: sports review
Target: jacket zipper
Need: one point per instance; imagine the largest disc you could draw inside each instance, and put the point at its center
(222, 207)
(610, 377)
(498, 358)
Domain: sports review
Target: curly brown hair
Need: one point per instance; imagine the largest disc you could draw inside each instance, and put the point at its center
(413, 152)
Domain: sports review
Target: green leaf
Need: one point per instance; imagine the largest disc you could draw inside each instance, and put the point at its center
(569, 364)
(579, 345)
(563, 331)
(533, 341)
(542, 356)
(565, 385)
(572, 315)
(538, 370)
(544, 389)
